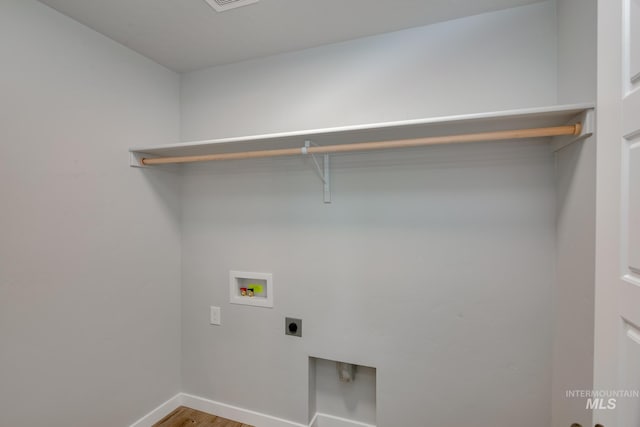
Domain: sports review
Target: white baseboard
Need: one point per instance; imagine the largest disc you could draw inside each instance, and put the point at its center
(235, 413)
(326, 420)
(160, 412)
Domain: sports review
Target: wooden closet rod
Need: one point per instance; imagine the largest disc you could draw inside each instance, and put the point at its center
(379, 145)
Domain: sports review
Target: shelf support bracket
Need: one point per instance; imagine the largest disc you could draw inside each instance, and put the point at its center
(324, 172)
(326, 179)
(587, 120)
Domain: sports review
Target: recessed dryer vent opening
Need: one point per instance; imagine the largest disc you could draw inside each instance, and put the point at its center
(224, 5)
(334, 401)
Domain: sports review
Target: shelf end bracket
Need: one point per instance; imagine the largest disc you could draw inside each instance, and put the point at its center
(135, 159)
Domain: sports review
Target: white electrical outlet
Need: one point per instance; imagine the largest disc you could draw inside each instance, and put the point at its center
(214, 315)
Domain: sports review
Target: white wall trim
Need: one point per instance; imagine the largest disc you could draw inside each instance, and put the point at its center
(313, 422)
(160, 412)
(235, 413)
(326, 420)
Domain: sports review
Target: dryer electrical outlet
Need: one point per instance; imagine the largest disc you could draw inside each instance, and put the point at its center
(293, 327)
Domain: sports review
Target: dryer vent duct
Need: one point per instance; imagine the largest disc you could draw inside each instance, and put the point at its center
(346, 372)
(223, 5)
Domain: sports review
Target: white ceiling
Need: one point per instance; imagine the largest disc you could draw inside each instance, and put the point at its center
(186, 35)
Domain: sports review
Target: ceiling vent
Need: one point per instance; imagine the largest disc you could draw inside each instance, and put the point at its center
(223, 5)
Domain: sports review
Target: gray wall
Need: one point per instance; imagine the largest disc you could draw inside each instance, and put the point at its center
(491, 62)
(576, 165)
(393, 274)
(574, 291)
(89, 248)
(435, 266)
(576, 20)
